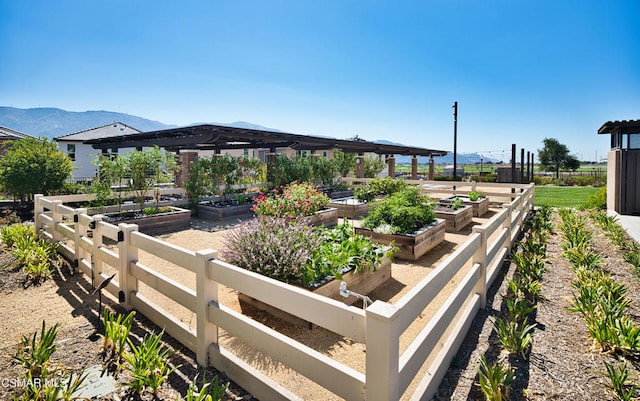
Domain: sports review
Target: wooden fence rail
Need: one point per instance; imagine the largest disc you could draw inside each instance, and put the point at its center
(389, 373)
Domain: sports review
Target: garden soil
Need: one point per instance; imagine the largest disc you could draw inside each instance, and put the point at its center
(562, 363)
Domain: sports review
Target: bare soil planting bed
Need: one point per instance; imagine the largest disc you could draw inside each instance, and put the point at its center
(562, 365)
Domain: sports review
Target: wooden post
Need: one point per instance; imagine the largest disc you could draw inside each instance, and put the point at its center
(206, 291)
(391, 164)
(127, 253)
(360, 166)
(383, 353)
(414, 167)
(432, 169)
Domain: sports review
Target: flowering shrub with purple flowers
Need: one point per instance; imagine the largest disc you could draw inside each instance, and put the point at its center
(293, 200)
(272, 247)
(298, 254)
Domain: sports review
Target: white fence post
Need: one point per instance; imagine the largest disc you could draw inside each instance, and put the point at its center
(79, 232)
(128, 282)
(57, 219)
(480, 257)
(206, 291)
(37, 209)
(383, 353)
(507, 225)
(97, 264)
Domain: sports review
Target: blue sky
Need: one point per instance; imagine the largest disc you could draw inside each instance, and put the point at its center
(519, 70)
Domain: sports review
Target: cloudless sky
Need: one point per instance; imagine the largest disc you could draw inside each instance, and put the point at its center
(519, 70)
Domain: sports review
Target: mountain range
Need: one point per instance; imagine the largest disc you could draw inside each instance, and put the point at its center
(52, 122)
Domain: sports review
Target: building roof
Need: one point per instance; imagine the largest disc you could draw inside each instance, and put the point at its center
(220, 137)
(7, 134)
(114, 129)
(621, 127)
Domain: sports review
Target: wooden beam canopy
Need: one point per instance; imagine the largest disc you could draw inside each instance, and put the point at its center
(221, 137)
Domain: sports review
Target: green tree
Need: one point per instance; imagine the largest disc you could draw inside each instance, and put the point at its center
(372, 166)
(32, 166)
(555, 156)
(346, 162)
(111, 174)
(146, 169)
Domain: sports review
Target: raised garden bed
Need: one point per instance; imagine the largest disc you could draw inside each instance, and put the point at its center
(480, 206)
(215, 212)
(362, 282)
(456, 219)
(350, 207)
(328, 217)
(161, 223)
(410, 246)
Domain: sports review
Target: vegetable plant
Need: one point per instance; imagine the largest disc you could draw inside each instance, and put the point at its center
(293, 200)
(404, 212)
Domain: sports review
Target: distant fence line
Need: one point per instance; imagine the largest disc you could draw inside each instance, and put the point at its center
(389, 372)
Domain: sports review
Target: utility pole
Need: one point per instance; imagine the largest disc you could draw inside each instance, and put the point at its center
(455, 139)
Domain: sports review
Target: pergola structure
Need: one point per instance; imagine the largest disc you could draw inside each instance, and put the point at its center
(220, 137)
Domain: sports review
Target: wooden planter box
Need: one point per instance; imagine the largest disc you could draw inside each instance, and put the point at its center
(480, 206)
(215, 213)
(456, 219)
(359, 282)
(328, 217)
(410, 247)
(340, 194)
(178, 219)
(350, 207)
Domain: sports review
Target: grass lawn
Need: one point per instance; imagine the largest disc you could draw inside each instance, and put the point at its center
(562, 196)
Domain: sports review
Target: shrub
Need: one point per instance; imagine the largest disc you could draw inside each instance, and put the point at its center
(378, 186)
(597, 201)
(298, 254)
(296, 199)
(272, 247)
(403, 213)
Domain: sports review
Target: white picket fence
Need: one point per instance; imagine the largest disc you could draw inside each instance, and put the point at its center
(389, 372)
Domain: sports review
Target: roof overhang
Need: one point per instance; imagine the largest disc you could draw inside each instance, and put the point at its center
(620, 127)
(220, 137)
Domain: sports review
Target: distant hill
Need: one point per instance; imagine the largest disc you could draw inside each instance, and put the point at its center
(463, 158)
(51, 122)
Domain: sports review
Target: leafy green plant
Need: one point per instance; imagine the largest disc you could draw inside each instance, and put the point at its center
(116, 333)
(404, 212)
(33, 254)
(11, 233)
(622, 388)
(518, 308)
(514, 337)
(208, 391)
(475, 195)
(495, 380)
(379, 186)
(342, 250)
(148, 363)
(35, 353)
